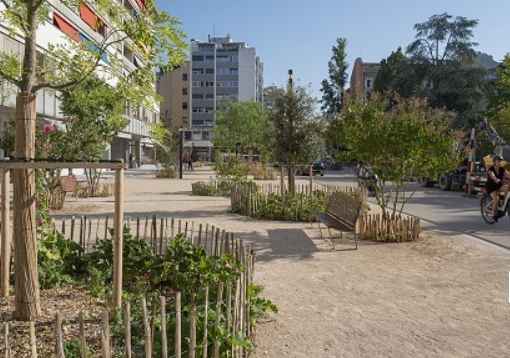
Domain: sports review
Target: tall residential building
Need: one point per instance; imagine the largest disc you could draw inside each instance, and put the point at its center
(362, 78)
(220, 70)
(81, 25)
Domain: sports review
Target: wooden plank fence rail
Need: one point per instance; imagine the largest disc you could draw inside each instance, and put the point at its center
(158, 231)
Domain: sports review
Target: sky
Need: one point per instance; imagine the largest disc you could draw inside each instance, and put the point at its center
(299, 35)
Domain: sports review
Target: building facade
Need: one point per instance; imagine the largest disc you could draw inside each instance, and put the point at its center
(362, 78)
(220, 70)
(80, 26)
(174, 88)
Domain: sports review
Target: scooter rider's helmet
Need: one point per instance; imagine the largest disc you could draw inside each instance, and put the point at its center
(497, 157)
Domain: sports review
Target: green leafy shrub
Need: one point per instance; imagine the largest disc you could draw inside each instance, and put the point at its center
(290, 208)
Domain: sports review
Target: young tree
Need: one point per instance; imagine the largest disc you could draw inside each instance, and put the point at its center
(409, 137)
(240, 122)
(154, 39)
(443, 67)
(332, 88)
(296, 128)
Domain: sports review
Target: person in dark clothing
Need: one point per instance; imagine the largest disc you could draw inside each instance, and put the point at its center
(496, 175)
(190, 162)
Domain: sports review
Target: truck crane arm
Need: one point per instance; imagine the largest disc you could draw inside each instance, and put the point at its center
(500, 146)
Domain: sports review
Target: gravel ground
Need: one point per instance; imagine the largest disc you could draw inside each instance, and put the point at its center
(442, 296)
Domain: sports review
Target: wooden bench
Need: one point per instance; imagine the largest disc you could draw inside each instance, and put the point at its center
(341, 214)
(69, 183)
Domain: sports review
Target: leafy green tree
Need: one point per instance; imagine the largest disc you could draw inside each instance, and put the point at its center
(409, 137)
(296, 129)
(391, 68)
(154, 40)
(167, 145)
(443, 67)
(333, 87)
(240, 122)
(498, 95)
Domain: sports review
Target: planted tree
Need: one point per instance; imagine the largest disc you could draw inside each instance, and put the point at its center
(155, 42)
(408, 137)
(296, 135)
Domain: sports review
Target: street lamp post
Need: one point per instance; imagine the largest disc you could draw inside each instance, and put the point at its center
(180, 153)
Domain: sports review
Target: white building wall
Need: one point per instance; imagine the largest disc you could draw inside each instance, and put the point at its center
(247, 74)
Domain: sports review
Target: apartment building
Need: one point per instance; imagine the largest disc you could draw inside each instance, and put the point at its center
(174, 87)
(362, 78)
(84, 25)
(220, 70)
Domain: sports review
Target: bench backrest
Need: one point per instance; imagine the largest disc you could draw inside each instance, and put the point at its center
(69, 182)
(344, 207)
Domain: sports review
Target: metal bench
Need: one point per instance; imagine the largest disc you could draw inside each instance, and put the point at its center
(69, 183)
(341, 214)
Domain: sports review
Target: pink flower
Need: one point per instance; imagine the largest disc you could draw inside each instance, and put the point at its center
(48, 211)
(48, 128)
(38, 203)
(40, 223)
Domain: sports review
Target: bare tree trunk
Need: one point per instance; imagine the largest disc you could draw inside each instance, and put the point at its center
(27, 304)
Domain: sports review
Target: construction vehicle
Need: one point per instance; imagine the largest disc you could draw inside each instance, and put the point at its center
(472, 176)
(477, 174)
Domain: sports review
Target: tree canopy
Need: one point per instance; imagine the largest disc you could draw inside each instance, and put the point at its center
(405, 138)
(242, 122)
(332, 88)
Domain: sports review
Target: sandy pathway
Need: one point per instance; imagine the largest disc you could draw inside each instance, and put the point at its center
(443, 296)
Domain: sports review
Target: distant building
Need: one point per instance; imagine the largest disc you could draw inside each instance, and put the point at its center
(174, 87)
(220, 70)
(362, 78)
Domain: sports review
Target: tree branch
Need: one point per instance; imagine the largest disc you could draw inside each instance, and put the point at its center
(9, 78)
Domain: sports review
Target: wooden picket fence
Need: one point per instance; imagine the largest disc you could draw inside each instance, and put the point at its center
(232, 303)
(247, 199)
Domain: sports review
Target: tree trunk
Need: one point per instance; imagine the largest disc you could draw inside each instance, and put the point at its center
(27, 304)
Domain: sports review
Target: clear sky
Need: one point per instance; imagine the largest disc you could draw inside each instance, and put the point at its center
(299, 35)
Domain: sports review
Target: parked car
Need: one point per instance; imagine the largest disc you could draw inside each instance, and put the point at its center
(317, 169)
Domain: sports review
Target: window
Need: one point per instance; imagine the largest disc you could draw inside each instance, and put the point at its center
(369, 84)
(209, 58)
(234, 71)
(234, 58)
(184, 91)
(184, 76)
(209, 96)
(198, 96)
(184, 105)
(197, 71)
(184, 120)
(196, 84)
(197, 58)
(209, 71)
(222, 58)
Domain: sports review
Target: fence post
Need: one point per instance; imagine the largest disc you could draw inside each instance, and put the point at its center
(59, 343)
(6, 234)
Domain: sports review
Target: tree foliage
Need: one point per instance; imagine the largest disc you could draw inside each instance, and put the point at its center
(153, 36)
(498, 95)
(442, 68)
(397, 140)
(333, 87)
(390, 70)
(296, 135)
(93, 116)
(240, 122)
